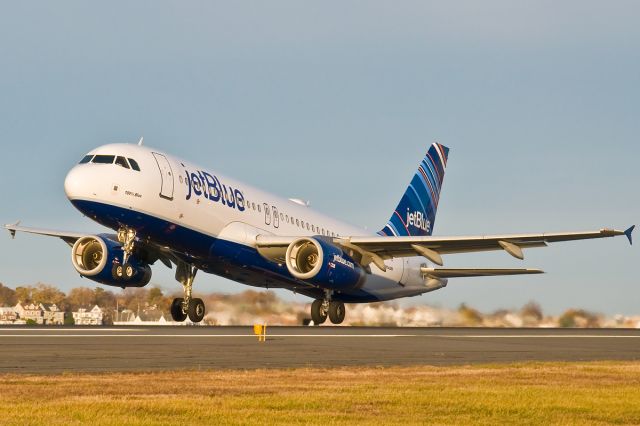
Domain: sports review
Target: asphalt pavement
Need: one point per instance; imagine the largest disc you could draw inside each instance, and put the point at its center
(110, 349)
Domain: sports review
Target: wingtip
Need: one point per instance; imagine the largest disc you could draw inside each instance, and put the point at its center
(11, 227)
(628, 233)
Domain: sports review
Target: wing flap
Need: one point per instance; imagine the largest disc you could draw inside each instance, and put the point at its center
(474, 272)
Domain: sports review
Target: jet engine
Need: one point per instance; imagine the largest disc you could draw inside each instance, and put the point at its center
(322, 264)
(100, 259)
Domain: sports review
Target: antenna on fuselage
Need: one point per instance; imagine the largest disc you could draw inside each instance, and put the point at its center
(141, 141)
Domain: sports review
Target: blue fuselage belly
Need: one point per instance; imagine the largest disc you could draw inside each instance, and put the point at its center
(217, 256)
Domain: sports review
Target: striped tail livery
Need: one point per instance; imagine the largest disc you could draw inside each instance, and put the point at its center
(416, 212)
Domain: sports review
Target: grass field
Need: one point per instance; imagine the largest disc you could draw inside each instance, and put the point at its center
(536, 393)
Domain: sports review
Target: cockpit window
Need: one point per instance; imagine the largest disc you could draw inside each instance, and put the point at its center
(121, 161)
(86, 159)
(134, 164)
(103, 159)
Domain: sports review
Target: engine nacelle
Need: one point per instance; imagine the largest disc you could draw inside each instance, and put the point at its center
(323, 264)
(95, 257)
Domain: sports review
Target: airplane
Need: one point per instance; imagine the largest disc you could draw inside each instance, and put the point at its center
(163, 208)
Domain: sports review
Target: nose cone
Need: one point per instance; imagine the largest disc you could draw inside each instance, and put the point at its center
(75, 183)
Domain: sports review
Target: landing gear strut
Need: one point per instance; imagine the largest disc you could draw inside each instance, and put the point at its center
(182, 307)
(323, 308)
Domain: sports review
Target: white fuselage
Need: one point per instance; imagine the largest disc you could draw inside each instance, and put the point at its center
(180, 194)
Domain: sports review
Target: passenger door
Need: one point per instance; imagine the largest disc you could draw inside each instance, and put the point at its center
(166, 176)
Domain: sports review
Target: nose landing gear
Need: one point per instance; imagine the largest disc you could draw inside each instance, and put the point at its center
(323, 308)
(181, 307)
(187, 306)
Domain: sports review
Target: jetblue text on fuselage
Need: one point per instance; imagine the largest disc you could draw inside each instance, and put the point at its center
(201, 183)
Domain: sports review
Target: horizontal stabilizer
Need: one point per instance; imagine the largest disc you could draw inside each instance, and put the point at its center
(474, 272)
(628, 233)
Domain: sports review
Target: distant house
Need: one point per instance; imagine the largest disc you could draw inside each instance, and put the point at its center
(8, 315)
(30, 311)
(83, 316)
(52, 314)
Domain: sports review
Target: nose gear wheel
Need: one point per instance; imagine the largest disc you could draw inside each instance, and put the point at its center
(183, 307)
(323, 308)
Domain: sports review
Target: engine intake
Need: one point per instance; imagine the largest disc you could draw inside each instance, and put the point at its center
(88, 255)
(323, 264)
(95, 257)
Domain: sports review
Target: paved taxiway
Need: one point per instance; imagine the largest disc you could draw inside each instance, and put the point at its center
(59, 349)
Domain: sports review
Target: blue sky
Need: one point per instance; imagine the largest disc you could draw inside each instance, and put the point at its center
(336, 102)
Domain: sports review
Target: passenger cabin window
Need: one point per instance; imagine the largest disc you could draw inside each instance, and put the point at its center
(103, 159)
(86, 159)
(134, 164)
(121, 161)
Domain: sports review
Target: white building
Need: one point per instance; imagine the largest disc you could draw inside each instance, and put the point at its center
(8, 315)
(88, 317)
(52, 314)
(30, 311)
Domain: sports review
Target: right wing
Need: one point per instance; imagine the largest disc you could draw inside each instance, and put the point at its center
(375, 249)
(512, 243)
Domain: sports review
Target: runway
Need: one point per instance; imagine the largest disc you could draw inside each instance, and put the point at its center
(111, 349)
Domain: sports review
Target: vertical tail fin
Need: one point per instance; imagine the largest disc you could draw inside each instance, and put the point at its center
(416, 212)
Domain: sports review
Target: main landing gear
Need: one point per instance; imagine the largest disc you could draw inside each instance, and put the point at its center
(187, 306)
(323, 308)
(125, 271)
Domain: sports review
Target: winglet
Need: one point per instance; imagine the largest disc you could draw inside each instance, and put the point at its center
(12, 228)
(628, 233)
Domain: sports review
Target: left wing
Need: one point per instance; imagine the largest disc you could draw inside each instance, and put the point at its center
(68, 237)
(376, 249)
(164, 254)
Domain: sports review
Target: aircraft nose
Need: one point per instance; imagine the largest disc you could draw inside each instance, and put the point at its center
(74, 183)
